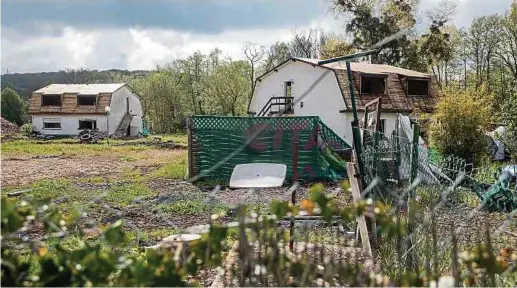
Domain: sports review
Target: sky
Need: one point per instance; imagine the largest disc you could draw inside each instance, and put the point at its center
(51, 35)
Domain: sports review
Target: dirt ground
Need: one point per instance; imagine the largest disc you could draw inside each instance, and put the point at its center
(21, 171)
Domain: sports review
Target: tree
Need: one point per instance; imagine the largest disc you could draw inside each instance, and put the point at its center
(459, 123)
(12, 106)
(254, 54)
(230, 89)
(276, 54)
(508, 47)
(484, 39)
(436, 45)
(373, 21)
(335, 47)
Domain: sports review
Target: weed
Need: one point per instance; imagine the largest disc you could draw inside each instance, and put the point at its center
(125, 194)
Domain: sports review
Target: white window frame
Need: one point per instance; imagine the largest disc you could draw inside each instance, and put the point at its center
(52, 120)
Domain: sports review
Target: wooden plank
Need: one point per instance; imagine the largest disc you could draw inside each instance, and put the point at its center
(361, 220)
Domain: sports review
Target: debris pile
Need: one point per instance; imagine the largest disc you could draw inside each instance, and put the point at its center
(91, 136)
(9, 128)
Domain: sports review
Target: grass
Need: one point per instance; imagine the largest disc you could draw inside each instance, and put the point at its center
(191, 207)
(127, 193)
(70, 147)
(177, 169)
(31, 148)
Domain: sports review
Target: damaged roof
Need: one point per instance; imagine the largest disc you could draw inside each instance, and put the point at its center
(84, 89)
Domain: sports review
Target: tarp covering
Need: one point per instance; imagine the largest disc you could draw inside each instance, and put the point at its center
(217, 144)
(496, 136)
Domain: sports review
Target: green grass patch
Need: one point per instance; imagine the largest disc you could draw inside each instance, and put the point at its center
(176, 169)
(191, 207)
(124, 194)
(31, 148)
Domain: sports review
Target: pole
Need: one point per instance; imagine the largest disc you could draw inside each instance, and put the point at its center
(293, 195)
(108, 127)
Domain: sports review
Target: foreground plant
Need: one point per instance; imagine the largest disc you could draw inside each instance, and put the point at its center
(263, 254)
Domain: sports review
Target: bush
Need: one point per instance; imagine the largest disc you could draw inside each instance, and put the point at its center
(459, 124)
(26, 129)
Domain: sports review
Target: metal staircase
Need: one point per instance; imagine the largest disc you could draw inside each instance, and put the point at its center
(123, 125)
(277, 105)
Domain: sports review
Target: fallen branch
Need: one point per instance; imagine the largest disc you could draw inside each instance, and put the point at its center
(16, 193)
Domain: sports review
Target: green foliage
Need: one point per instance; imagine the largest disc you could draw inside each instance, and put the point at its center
(26, 129)
(72, 261)
(510, 118)
(374, 21)
(459, 124)
(12, 106)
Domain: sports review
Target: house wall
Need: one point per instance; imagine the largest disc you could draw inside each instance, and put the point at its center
(325, 100)
(390, 121)
(118, 109)
(69, 123)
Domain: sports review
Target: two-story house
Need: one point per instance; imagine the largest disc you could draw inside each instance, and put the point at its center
(66, 109)
(402, 91)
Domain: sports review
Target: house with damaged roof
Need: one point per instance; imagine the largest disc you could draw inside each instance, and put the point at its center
(66, 109)
(323, 90)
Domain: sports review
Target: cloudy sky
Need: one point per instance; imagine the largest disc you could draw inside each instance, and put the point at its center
(48, 35)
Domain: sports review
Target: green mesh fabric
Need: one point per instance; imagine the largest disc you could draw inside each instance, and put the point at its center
(212, 139)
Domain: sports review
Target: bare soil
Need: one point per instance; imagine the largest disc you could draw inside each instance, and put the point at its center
(17, 172)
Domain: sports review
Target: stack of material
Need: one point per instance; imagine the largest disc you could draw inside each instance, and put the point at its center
(91, 136)
(9, 128)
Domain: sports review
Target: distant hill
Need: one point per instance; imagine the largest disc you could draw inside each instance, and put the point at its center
(26, 83)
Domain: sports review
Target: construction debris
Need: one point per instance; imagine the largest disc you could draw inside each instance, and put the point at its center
(91, 136)
(9, 128)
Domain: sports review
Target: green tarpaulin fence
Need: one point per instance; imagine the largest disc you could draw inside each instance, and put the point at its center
(212, 139)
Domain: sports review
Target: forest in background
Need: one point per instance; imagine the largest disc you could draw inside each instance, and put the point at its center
(483, 54)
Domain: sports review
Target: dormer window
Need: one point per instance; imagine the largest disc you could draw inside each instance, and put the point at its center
(51, 100)
(418, 87)
(373, 84)
(86, 100)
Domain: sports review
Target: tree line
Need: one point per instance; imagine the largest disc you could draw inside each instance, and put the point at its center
(483, 54)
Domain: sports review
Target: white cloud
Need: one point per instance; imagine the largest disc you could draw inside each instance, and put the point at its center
(60, 46)
(131, 48)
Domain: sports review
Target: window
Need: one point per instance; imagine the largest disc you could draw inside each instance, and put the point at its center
(51, 100)
(373, 85)
(51, 123)
(86, 100)
(87, 124)
(417, 87)
(288, 85)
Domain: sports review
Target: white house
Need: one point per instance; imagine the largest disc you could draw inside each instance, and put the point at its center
(402, 91)
(66, 109)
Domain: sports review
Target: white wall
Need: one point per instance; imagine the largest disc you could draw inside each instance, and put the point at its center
(390, 121)
(69, 123)
(324, 101)
(118, 109)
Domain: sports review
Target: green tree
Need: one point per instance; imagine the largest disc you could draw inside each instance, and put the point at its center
(12, 106)
(335, 47)
(374, 20)
(459, 123)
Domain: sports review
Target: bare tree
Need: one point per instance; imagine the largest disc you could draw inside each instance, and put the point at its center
(254, 53)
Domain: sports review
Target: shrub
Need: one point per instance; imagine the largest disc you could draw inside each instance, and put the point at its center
(459, 124)
(26, 129)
